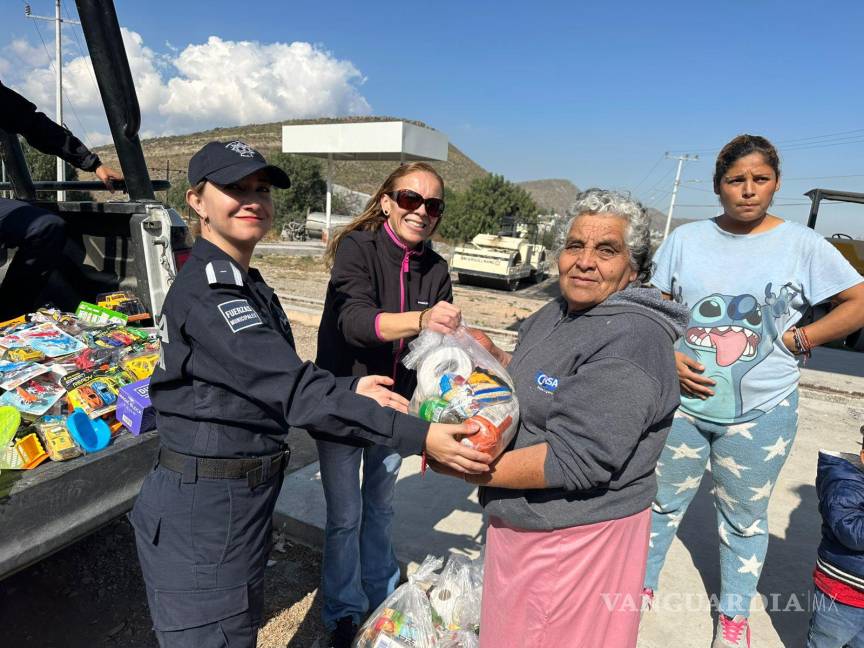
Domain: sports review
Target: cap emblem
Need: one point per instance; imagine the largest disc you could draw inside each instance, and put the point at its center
(241, 148)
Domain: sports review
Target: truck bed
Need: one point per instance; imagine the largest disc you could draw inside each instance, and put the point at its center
(47, 508)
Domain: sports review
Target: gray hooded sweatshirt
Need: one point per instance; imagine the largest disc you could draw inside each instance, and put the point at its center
(600, 388)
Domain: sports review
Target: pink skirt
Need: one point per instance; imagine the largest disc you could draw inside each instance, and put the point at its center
(571, 588)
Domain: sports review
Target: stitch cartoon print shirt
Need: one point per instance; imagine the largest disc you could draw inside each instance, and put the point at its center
(744, 292)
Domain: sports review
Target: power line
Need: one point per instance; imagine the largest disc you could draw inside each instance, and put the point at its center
(662, 179)
(783, 197)
(814, 141)
(854, 175)
(647, 175)
(82, 131)
(857, 140)
(84, 53)
(717, 205)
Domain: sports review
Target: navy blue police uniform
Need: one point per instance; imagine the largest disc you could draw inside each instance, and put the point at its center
(38, 234)
(228, 386)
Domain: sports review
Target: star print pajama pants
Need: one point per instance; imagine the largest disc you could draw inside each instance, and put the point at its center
(745, 461)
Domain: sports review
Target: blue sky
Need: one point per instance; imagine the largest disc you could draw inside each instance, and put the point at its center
(592, 92)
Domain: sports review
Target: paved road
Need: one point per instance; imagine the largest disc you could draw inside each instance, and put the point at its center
(296, 248)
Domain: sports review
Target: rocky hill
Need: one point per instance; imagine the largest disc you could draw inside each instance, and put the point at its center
(174, 152)
(658, 220)
(552, 196)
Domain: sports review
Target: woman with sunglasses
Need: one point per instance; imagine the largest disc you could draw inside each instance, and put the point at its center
(385, 287)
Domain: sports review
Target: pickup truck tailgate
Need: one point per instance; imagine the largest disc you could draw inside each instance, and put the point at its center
(58, 503)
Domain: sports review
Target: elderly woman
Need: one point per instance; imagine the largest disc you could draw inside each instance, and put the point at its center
(569, 504)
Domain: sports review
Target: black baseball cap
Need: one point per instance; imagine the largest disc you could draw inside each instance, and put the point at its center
(225, 162)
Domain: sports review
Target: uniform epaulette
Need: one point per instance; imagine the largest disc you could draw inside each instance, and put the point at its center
(224, 273)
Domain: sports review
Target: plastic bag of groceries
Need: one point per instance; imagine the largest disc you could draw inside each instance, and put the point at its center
(457, 595)
(404, 619)
(459, 639)
(458, 380)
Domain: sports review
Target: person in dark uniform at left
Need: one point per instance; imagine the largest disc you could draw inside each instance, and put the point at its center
(37, 233)
(228, 386)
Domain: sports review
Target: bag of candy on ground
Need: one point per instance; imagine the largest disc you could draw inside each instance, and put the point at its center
(404, 619)
(458, 380)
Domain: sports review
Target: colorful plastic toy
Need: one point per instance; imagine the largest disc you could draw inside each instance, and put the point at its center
(56, 439)
(89, 396)
(10, 419)
(91, 435)
(31, 451)
(23, 354)
(104, 392)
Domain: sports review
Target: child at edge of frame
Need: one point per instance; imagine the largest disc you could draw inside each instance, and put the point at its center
(837, 617)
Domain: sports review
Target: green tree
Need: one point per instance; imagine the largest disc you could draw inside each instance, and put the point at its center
(482, 208)
(44, 167)
(308, 188)
(176, 195)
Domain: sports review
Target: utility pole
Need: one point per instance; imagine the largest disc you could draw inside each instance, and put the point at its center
(58, 62)
(681, 160)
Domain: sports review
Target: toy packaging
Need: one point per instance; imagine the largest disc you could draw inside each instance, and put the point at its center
(34, 397)
(56, 438)
(12, 336)
(93, 392)
(113, 337)
(458, 380)
(97, 315)
(133, 407)
(49, 340)
(13, 374)
(50, 354)
(404, 619)
(124, 303)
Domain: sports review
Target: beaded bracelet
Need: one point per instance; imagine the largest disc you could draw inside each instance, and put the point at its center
(420, 319)
(802, 342)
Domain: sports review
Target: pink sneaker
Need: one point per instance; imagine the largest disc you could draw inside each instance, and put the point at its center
(732, 633)
(647, 599)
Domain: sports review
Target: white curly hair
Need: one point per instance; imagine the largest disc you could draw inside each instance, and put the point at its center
(637, 236)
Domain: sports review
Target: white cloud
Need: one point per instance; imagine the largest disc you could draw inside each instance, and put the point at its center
(217, 83)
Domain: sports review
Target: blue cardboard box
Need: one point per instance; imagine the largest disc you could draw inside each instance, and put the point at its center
(134, 410)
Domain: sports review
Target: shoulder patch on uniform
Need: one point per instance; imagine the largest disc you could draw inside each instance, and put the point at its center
(221, 272)
(239, 314)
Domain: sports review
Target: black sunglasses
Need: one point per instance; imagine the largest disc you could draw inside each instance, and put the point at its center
(411, 200)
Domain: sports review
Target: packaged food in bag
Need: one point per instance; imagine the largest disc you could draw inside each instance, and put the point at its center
(459, 639)
(456, 598)
(458, 380)
(404, 619)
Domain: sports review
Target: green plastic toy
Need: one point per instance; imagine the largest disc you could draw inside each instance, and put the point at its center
(10, 419)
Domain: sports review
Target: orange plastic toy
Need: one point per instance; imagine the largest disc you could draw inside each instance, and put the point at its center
(31, 451)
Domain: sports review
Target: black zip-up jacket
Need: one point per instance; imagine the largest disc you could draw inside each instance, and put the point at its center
(230, 383)
(17, 115)
(375, 273)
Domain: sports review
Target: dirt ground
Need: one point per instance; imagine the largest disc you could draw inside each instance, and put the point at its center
(91, 594)
(307, 277)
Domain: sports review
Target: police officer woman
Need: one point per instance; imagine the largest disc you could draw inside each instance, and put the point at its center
(228, 387)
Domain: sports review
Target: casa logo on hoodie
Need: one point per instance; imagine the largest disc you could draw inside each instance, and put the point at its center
(546, 383)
